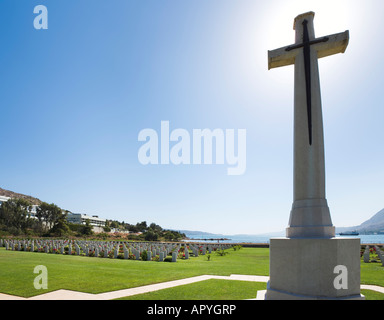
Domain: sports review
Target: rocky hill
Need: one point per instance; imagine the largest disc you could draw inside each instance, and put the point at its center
(374, 224)
(11, 194)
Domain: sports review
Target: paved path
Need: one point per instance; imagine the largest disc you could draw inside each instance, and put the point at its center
(75, 295)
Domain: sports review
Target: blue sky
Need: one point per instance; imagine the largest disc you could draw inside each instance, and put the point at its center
(74, 98)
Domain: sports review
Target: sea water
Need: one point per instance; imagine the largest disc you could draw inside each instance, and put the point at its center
(247, 238)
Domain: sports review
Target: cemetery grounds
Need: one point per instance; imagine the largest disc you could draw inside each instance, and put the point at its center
(97, 275)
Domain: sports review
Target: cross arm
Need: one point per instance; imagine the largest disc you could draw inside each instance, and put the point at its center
(281, 57)
(337, 43)
(326, 46)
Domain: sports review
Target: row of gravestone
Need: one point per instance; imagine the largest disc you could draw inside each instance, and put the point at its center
(366, 254)
(113, 249)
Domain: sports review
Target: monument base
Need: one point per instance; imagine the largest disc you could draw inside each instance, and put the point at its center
(314, 269)
(310, 218)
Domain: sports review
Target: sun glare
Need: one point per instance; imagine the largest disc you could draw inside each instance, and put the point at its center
(330, 17)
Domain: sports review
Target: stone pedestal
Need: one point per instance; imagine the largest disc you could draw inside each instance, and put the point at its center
(308, 269)
(310, 218)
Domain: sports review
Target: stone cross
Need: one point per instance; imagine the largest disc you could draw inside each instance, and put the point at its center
(310, 216)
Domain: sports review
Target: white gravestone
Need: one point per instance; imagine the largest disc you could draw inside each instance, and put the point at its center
(366, 254)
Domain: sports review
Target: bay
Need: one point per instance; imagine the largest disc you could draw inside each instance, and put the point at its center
(264, 238)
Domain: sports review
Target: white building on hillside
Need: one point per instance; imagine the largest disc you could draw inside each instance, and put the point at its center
(3, 199)
(80, 218)
(32, 209)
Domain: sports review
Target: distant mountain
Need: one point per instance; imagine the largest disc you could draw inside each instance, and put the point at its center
(11, 194)
(377, 221)
(200, 234)
(374, 224)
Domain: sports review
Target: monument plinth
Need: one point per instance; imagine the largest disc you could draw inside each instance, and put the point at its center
(310, 263)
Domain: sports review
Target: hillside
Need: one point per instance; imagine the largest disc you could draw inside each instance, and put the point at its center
(11, 194)
(374, 224)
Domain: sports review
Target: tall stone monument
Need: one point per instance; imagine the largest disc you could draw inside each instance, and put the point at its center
(310, 263)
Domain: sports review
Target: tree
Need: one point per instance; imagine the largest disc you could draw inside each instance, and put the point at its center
(169, 235)
(151, 236)
(172, 235)
(15, 215)
(114, 224)
(49, 215)
(60, 228)
(131, 228)
(155, 227)
(142, 226)
(87, 229)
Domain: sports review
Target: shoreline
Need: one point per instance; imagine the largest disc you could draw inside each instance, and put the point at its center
(266, 245)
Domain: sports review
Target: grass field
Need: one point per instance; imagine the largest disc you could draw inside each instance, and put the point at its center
(96, 275)
(212, 289)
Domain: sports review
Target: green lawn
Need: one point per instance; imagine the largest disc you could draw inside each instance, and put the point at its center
(372, 273)
(219, 290)
(212, 289)
(96, 275)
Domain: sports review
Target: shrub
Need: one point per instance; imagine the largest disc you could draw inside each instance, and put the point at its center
(144, 255)
(221, 252)
(156, 258)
